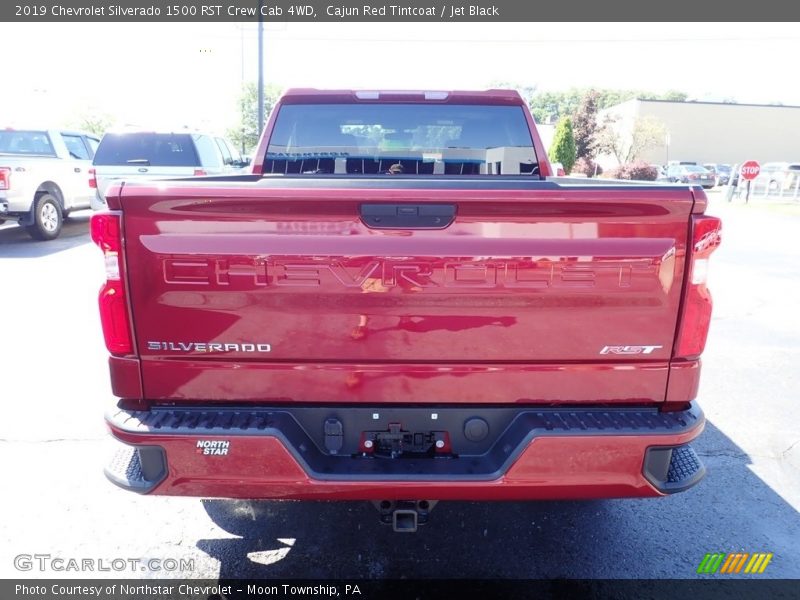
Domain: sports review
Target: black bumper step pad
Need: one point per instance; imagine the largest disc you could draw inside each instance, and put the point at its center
(301, 430)
(137, 468)
(673, 469)
(683, 465)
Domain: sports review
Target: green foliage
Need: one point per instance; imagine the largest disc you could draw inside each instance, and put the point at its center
(549, 106)
(563, 148)
(245, 135)
(673, 95)
(93, 120)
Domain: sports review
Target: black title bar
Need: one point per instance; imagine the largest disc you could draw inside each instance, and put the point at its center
(311, 11)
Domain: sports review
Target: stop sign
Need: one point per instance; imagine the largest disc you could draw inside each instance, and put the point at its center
(750, 170)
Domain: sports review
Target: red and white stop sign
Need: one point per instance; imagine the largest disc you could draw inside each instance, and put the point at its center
(750, 170)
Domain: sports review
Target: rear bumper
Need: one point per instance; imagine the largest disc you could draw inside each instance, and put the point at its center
(13, 204)
(526, 453)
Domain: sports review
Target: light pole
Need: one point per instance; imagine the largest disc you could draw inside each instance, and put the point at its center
(666, 143)
(241, 90)
(260, 69)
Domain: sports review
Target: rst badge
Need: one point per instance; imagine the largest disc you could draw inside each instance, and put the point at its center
(628, 350)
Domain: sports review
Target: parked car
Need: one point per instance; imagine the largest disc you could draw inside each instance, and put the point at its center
(721, 172)
(44, 176)
(779, 175)
(690, 174)
(558, 169)
(661, 172)
(138, 154)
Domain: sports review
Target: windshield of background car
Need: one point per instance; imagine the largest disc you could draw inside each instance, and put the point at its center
(26, 142)
(148, 149)
(695, 169)
(395, 139)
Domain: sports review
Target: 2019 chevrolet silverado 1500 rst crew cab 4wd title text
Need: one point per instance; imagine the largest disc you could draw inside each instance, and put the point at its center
(399, 305)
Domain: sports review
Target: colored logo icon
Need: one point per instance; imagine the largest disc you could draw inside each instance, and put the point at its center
(734, 562)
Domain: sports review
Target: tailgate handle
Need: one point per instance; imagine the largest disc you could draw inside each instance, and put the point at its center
(408, 216)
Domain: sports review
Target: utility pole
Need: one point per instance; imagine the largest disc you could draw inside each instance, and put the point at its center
(242, 108)
(260, 69)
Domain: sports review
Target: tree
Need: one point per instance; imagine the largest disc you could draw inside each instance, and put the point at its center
(585, 126)
(93, 120)
(554, 105)
(629, 145)
(245, 135)
(548, 107)
(673, 95)
(563, 148)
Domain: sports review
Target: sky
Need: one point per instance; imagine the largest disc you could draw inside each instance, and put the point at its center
(190, 74)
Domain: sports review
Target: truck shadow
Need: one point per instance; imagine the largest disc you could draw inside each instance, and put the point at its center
(16, 243)
(731, 510)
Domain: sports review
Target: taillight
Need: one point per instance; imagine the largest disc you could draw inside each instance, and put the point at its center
(199, 172)
(692, 176)
(696, 315)
(92, 179)
(560, 172)
(5, 178)
(106, 233)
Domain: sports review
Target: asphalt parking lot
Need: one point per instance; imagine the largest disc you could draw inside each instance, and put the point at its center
(57, 502)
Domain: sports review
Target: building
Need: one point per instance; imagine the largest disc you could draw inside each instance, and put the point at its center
(547, 132)
(711, 132)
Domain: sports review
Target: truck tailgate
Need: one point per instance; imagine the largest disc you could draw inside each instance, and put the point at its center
(250, 291)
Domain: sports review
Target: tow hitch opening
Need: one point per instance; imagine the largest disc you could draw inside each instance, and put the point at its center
(405, 516)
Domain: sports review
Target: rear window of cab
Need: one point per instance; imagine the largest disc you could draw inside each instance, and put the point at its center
(401, 139)
(149, 149)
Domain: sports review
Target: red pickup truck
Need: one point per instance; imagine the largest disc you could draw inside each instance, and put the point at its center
(400, 305)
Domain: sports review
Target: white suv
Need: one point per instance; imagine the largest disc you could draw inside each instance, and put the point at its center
(160, 154)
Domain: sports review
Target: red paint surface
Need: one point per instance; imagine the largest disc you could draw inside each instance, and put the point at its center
(512, 303)
(550, 468)
(520, 277)
(412, 383)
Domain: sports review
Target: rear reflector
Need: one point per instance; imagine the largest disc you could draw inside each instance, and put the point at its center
(106, 232)
(199, 172)
(5, 178)
(696, 315)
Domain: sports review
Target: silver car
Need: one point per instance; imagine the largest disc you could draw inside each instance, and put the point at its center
(691, 174)
(779, 176)
(156, 154)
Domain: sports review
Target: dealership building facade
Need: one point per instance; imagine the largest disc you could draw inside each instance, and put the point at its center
(711, 132)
